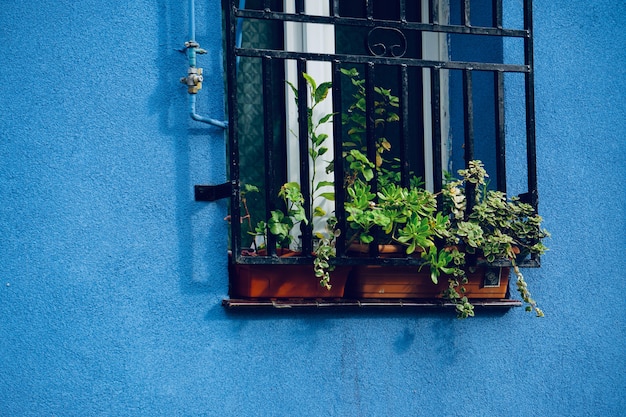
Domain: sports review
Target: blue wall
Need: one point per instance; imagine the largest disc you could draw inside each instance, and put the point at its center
(111, 276)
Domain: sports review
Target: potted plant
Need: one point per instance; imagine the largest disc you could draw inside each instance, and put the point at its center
(455, 239)
(406, 217)
(298, 280)
(491, 227)
(458, 242)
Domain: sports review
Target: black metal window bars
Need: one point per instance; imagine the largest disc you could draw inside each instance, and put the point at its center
(234, 15)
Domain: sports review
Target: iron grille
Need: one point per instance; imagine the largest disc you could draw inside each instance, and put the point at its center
(406, 25)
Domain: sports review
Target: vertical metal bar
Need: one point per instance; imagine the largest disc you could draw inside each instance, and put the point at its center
(497, 13)
(404, 127)
(369, 5)
(334, 6)
(500, 131)
(268, 146)
(468, 122)
(403, 10)
(468, 117)
(531, 155)
(267, 5)
(303, 139)
(465, 6)
(435, 94)
(233, 134)
(433, 9)
(338, 159)
(530, 104)
(299, 6)
(370, 125)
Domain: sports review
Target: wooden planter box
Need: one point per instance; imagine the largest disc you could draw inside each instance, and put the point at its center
(284, 282)
(408, 282)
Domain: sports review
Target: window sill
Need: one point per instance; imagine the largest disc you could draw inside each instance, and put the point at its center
(367, 303)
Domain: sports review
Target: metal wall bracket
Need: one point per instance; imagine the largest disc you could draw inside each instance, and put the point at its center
(531, 197)
(212, 192)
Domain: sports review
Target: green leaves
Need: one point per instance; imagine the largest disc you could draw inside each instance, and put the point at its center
(320, 93)
(249, 188)
(321, 184)
(280, 225)
(317, 139)
(360, 164)
(325, 119)
(441, 228)
(471, 233)
(439, 261)
(352, 72)
(464, 308)
(294, 89)
(522, 288)
(493, 229)
(496, 227)
(282, 222)
(324, 251)
(416, 234)
(475, 173)
(355, 119)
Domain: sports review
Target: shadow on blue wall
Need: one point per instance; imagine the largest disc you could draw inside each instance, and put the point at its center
(199, 148)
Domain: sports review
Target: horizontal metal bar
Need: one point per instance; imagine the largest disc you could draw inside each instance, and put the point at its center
(364, 303)
(348, 21)
(348, 261)
(367, 260)
(364, 59)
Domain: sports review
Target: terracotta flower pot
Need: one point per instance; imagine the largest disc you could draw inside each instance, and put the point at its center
(280, 252)
(409, 282)
(284, 281)
(384, 251)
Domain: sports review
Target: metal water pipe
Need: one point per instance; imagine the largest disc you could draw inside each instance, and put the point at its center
(194, 77)
(239, 32)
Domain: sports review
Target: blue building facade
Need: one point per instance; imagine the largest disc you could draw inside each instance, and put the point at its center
(112, 276)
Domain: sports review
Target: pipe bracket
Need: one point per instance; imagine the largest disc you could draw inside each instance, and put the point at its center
(196, 46)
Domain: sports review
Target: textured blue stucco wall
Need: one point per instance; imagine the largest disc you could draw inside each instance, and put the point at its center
(111, 276)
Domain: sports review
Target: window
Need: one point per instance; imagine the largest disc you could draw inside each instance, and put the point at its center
(441, 62)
